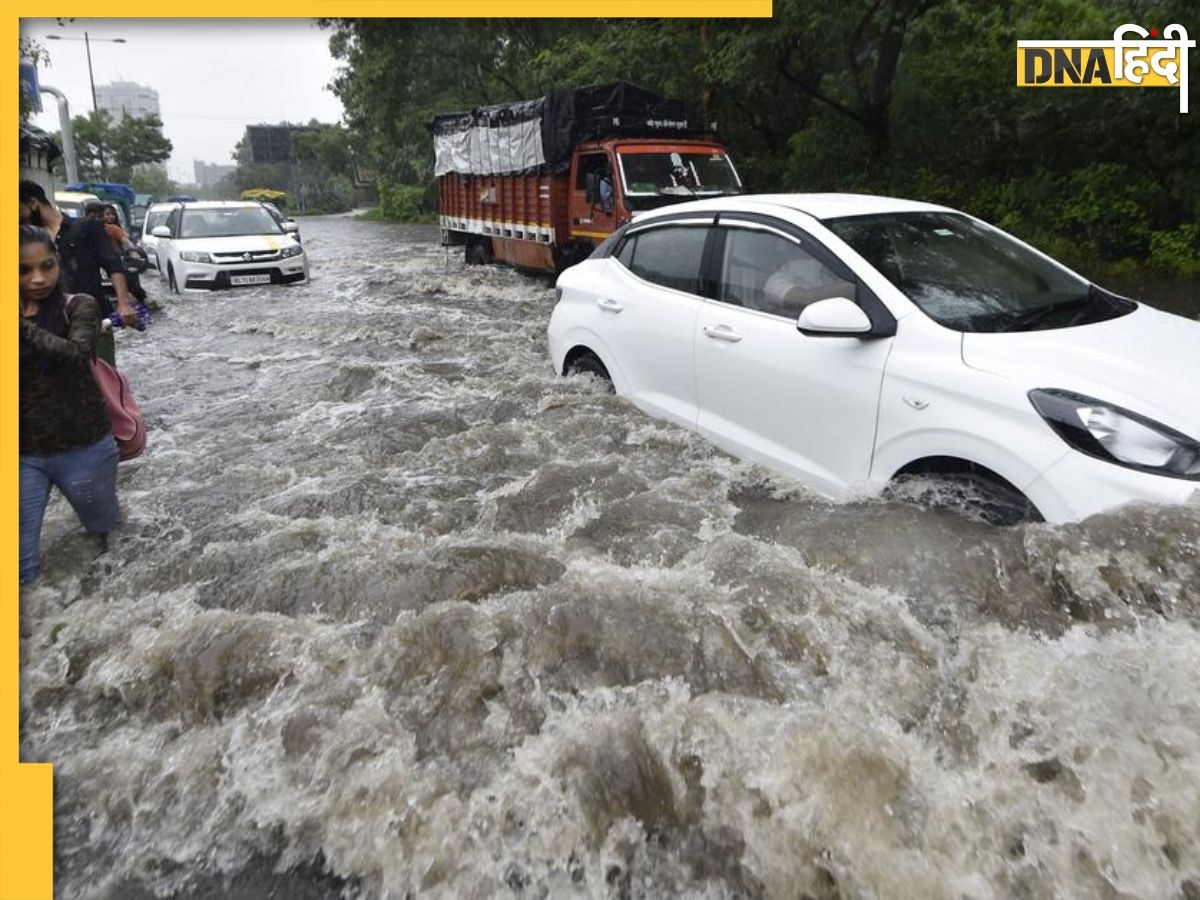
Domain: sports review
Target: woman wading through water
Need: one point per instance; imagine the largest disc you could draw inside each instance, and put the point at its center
(66, 436)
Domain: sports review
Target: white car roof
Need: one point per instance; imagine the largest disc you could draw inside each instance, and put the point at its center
(221, 204)
(819, 206)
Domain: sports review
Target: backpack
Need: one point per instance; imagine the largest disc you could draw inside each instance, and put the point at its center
(128, 425)
(70, 242)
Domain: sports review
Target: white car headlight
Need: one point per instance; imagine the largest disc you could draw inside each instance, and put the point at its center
(294, 250)
(1117, 435)
(195, 256)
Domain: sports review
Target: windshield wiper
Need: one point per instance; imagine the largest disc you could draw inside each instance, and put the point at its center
(1025, 320)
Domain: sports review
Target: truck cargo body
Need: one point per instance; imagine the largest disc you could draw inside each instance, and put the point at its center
(517, 219)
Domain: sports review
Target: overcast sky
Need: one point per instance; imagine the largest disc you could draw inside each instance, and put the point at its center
(213, 76)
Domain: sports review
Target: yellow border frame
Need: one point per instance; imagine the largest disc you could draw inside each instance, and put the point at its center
(27, 789)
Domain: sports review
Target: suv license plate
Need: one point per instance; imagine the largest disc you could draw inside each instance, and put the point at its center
(249, 279)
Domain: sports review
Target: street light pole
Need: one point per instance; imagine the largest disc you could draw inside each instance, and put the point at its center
(87, 43)
(91, 81)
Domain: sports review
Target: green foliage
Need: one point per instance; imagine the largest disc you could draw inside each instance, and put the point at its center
(152, 179)
(279, 198)
(906, 97)
(401, 202)
(1177, 252)
(108, 152)
(318, 180)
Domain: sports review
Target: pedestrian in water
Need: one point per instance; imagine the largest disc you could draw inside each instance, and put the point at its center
(66, 436)
(84, 249)
(122, 245)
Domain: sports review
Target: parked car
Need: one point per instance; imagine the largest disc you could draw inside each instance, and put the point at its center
(221, 244)
(850, 340)
(156, 214)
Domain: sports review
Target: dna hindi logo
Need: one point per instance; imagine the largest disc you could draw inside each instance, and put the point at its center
(1134, 57)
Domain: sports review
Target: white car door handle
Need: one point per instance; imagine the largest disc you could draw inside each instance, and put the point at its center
(609, 305)
(722, 333)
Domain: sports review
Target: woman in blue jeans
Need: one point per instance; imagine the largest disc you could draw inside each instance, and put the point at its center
(66, 437)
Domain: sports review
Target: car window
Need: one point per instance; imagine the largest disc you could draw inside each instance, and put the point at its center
(765, 271)
(173, 221)
(669, 256)
(228, 222)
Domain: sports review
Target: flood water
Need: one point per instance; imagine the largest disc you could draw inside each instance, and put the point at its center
(398, 612)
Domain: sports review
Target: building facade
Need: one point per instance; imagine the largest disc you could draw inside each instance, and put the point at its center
(208, 174)
(126, 98)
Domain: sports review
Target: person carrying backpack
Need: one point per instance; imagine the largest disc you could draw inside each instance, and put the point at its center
(84, 249)
(66, 436)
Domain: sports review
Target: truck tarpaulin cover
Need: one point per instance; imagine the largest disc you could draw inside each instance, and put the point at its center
(539, 135)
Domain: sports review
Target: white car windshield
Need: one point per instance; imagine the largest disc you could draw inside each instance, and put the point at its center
(971, 277)
(233, 222)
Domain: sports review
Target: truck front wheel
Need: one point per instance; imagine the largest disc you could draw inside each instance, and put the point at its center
(479, 252)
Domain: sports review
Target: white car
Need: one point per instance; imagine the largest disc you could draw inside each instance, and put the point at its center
(221, 244)
(850, 340)
(156, 215)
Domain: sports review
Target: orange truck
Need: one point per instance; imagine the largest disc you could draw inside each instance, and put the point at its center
(539, 183)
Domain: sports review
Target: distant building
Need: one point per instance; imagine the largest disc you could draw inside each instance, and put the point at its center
(126, 98)
(208, 174)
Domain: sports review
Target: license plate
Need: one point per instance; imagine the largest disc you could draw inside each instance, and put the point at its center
(249, 279)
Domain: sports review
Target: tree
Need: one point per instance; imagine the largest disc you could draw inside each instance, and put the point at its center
(908, 97)
(138, 141)
(150, 178)
(110, 152)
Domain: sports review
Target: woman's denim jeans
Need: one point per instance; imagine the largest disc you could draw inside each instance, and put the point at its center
(87, 477)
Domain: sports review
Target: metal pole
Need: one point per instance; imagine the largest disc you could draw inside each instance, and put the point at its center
(95, 110)
(68, 132)
(88, 45)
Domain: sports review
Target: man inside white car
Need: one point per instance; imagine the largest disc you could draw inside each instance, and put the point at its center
(798, 282)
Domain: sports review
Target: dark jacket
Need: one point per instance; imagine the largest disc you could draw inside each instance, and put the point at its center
(61, 407)
(84, 248)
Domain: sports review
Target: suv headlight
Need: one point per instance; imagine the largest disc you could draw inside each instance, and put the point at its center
(1117, 435)
(195, 256)
(293, 250)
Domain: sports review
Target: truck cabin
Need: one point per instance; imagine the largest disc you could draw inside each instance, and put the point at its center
(644, 175)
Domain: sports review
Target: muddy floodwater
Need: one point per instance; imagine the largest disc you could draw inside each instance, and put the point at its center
(397, 613)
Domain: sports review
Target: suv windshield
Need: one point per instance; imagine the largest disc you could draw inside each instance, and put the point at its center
(678, 174)
(971, 277)
(227, 222)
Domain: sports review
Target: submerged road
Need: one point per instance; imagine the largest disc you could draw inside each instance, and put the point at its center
(398, 612)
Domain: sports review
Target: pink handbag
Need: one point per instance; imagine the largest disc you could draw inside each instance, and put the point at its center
(129, 428)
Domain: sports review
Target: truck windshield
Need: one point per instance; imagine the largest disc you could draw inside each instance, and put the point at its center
(678, 174)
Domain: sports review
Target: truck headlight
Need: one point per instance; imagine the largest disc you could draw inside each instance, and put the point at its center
(294, 250)
(195, 256)
(1117, 435)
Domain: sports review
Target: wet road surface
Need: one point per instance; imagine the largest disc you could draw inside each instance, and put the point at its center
(397, 611)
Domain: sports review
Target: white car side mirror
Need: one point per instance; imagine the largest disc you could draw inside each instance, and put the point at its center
(832, 317)
(161, 231)
(289, 226)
